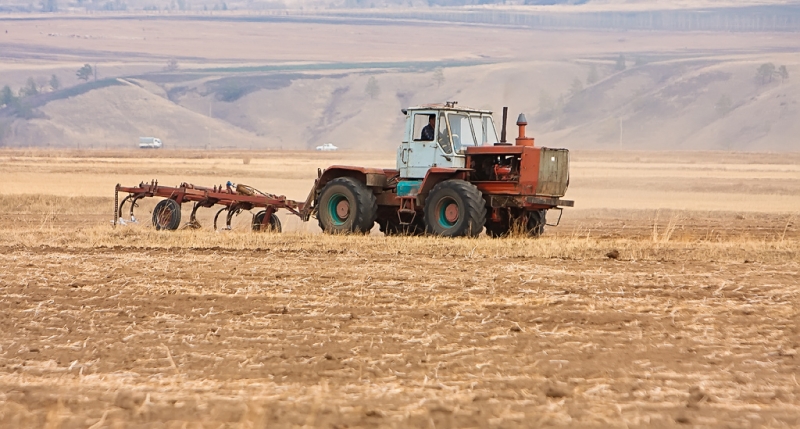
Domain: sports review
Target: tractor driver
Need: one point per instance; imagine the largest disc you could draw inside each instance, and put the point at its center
(429, 132)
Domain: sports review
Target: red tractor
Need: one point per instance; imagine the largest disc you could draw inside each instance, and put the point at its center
(453, 178)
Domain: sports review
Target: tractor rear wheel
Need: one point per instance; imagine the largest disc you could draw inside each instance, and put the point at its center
(455, 208)
(167, 215)
(535, 222)
(497, 229)
(273, 225)
(528, 223)
(346, 206)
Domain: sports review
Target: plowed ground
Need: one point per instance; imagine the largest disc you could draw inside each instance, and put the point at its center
(614, 319)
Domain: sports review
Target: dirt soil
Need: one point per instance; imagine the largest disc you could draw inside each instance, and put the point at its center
(614, 319)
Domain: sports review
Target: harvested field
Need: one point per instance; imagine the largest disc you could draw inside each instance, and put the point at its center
(620, 317)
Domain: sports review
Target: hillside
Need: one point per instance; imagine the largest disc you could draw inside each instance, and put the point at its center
(258, 84)
(670, 104)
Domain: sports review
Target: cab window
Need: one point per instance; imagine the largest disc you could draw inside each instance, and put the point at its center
(444, 135)
(484, 130)
(461, 130)
(490, 134)
(421, 120)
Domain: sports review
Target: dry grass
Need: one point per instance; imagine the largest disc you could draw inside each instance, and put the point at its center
(692, 320)
(249, 330)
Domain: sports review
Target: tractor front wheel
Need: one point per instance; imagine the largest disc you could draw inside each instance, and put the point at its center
(455, 208)
(167, 215)
(346, 206)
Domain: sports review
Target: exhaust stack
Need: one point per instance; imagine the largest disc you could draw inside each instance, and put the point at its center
(523, 140)
(503, 130)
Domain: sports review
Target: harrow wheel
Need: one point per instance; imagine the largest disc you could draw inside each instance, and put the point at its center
(274, 222)
(167, 215)
(346, 206)
(455, 208)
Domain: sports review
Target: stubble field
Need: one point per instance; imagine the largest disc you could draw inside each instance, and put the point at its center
(667, 297)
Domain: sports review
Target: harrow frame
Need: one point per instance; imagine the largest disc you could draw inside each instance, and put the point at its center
(231, 198)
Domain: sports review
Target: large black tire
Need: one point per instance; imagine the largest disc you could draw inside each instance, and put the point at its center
(167, 215)
(274, 223)
(528, 223)
(346, 206)
(394, 227)
(455, 208)
(497, 229)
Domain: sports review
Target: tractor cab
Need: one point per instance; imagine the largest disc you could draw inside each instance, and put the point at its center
(437, 135)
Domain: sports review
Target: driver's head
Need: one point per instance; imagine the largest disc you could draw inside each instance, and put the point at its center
(432, 120)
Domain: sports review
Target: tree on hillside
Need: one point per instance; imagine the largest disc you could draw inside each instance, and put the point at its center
(576, 87)
(372, 89)
(7, 97)
(438, 76)
(41, 83)
(765, 73)
(593, 77)
(29, 89)
(55, 83)
(172, 65)
(783, 72)
(620, 65)
(84, 73)
(723, 106)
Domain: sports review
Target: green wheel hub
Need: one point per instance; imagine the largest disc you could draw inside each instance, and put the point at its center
(339, 209)
(448, 212)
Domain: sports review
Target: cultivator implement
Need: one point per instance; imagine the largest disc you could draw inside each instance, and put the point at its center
(233, 200)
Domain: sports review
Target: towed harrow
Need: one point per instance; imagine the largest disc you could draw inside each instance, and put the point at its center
(233, 198)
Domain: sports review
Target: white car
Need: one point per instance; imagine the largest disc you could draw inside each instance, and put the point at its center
(327, 146)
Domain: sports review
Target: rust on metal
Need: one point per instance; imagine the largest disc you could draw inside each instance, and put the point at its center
(232, 199)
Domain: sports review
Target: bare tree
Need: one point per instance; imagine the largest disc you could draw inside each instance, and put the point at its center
(765, 73)
(172, 65)
(372, 89)
(29, 89)
(41, 83)
(723, 106)
(438, 76)
(84, 73)
(55, 83)
(620, 65)
(7, 96)
(783, 72)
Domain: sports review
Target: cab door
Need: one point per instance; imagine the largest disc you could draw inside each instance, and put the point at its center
(445, 155)
(416, 156)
